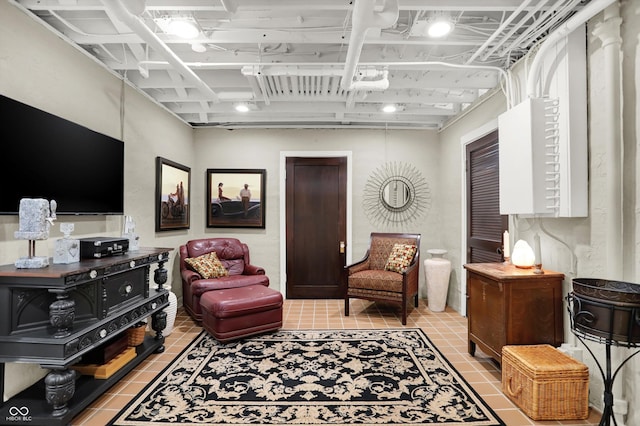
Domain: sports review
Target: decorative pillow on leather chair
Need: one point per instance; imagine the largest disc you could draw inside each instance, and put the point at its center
(208, 265)
(400, 257)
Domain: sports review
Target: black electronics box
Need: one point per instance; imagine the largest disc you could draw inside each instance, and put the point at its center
(99, 247)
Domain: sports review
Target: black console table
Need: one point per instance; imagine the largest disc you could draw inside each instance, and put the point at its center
(53, 316)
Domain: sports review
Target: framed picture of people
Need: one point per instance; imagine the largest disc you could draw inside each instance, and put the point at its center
(173, 182)
(236, 198)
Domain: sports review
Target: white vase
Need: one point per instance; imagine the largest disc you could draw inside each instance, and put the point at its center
(437, 271)
(171, 311)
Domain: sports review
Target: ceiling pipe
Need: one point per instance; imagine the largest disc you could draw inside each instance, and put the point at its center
(588, 12)
(497, 32)
(120, 10)
(263, 89)
(541, 26)
(381, 84)
(609, 33)
(229, 6)
(519, 25)
(363, 18)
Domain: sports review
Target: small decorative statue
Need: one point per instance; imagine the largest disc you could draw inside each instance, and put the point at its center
(67, 249)
(36, 218)
(129, 231)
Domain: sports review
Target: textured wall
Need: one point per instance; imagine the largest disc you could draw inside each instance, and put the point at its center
(370, 149)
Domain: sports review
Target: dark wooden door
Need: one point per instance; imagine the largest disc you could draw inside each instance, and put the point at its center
(485, 224)
(316, 197)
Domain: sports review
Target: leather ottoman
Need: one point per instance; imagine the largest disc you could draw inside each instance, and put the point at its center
(234, 313)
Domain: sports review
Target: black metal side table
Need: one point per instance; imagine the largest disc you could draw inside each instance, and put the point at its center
(606, 312)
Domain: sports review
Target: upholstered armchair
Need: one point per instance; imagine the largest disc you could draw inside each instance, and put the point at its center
(224, 262)
(388, 272)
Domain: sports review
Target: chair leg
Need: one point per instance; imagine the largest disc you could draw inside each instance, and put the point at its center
(404, 315)
(415, 300)
(346, 306)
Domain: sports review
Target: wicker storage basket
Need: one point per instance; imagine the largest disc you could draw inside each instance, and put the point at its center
(545, 383)
(135, 334)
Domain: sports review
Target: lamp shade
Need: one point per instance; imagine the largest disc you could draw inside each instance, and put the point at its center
(522, 255)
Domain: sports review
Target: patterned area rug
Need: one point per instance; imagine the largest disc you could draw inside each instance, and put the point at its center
(310, 377)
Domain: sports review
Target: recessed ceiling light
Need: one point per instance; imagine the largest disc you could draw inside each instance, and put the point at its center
(242, 108)
(389, 108)
(183, 28)
(198, 47)
(440, 28)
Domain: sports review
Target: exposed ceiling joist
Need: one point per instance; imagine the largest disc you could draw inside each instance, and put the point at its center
(289, 60)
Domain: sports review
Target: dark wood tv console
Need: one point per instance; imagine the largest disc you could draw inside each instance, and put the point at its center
(53, 316)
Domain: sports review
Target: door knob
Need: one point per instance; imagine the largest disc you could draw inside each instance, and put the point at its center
(342, 245)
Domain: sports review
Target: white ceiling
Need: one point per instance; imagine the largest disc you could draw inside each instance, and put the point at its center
(304, 63)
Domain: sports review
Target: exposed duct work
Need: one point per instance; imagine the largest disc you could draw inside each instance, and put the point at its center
(376, 85)
(321, 82)
(121, 11)
(582, 16)
(355, 55)
(499, 31)
(294, 70)
(363, 18)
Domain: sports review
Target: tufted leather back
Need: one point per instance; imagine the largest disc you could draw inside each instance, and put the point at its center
(233, 253)
(225, 248)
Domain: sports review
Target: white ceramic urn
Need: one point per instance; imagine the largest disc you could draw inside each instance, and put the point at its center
(171, 311)
(437, 271)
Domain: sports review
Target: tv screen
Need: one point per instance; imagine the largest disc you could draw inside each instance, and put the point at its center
(46, 156)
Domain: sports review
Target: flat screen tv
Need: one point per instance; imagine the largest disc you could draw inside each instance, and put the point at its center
(46, 156)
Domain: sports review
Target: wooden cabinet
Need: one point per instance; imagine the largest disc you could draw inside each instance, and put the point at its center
(512, 306)
(54, 316)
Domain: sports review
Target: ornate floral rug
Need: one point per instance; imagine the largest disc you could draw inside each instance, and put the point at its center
(310, 377)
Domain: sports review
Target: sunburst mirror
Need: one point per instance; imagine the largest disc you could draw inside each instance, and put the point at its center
(396, 194)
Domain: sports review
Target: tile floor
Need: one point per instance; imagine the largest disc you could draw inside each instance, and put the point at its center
(447, 330)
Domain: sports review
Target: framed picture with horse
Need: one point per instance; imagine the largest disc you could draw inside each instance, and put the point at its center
(173, 182)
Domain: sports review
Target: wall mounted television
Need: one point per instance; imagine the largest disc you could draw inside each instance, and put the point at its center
(49, 157)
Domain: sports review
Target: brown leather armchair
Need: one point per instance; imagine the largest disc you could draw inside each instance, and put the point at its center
(368, 279)
(234, 256)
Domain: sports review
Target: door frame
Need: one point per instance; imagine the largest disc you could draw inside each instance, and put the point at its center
(283, 205)
(465, 140)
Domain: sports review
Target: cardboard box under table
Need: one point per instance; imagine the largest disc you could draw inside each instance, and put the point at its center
(545, 383)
